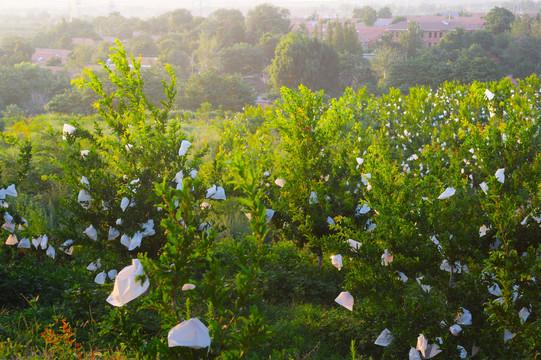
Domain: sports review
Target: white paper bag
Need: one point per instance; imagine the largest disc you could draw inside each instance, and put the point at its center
(414, 355)
(113, 233)
(455, 329)
(464, 318)
(184, 146)
(386, 258)
(91, 233)
(190, 333)
(447, 193)
(67, 129)
(9, 227)
(112, 274)
(126, 288)
(500, 175)
(135, 241)
(216, 193)
(345, 299)
(422, 345)
(12, 240)
(280, 182)
(100, 278)
(124, 203)
(187, 287)
(360, 210)
(24, 244)
(354, 245)
(385, 338)
(336, 260)
(50, 252)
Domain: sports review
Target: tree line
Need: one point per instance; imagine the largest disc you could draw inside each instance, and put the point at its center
(228, 53)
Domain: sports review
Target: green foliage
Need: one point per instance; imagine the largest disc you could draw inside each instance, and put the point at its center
(376, 166)
(455, 40)
(418, 145)
(184, 258)
(142, 45)
(385, 12)
(241, 58)
(54, 61)
(483, 38)
(522, 57)
(228, 284)
(304, 330)
(208, 46)
(231, 25)
(220, 90)
(476, 68)
(81, 56)
(521, 26)
(367, 14)
(411, 214)
(116, 24)
(302, 60)
(30, 87)
(313, 167)
(14, 50)
(411, 39)
(398, 19)
(14, 169)
(60, 35)
(268, 43)
(356, 72)
(26, 276)
(291, 277)
(343, 38)
(12, 114)
(266, 18)
(427, 70)
(498, 20)
(176, 21)
(416, 72)
(75, 101)
(171, 53)
(134, 145)
(384, 57)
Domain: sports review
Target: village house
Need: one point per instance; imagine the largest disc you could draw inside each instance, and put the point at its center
(42, 56)
(434, 27)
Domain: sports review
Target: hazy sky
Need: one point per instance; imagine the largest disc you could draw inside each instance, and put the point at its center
(136, 7)
(148, 8)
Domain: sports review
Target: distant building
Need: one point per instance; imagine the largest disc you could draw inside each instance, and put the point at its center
(435, 27)
(367, 34)
(371, 34)
(41, 56)
(146, 63)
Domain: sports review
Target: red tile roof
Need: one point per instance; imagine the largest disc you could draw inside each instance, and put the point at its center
(370, 34)
(41, 55)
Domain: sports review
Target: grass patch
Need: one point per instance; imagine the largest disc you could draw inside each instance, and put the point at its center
(309, 331)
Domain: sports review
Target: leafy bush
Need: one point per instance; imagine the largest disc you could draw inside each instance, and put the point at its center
(439, 188)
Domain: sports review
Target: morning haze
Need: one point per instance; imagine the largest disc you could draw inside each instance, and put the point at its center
(320, 180)
(144, 9)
